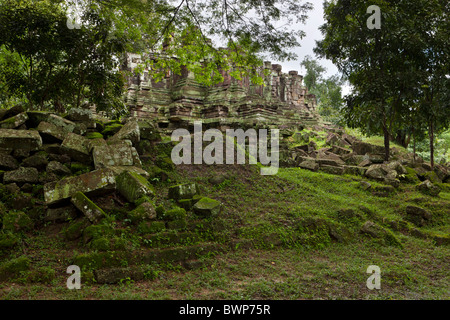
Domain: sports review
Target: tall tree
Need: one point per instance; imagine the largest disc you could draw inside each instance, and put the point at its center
(386, 65)
(68, 60)
(314, 72)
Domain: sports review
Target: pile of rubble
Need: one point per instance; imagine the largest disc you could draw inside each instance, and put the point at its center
(344, 154)
(57, 165)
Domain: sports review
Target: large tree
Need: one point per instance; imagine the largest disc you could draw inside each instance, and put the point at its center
(78, 58)
(60, 67)
(387, 66)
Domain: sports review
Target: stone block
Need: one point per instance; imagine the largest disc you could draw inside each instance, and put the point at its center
(76, 147)
(95, 182)
(133, 186)
(87, 207)
(15, 121)
(27, 140)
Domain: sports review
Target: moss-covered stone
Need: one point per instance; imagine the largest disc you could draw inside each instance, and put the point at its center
(175, 213)
(38, 161)
(148, 131)
(183, 191)
(376, 231)
(77, 148)
(51, 132)
(179, 224)
(27, 140)
(93, 212)
(132, 186)
(428, 188)
(206, 207)
(96, 231)
(98, 181)
(78, 168)
(21, 175)
(164, 162)
(55, 167)
(12, 268)
(94, 135)
(8, 240)
(111, 129)
(75, 230)
(411, 176)
(145, 211)
(130, 131)
(15, 121)
(17, 221)
(147, 227)
(8, 162)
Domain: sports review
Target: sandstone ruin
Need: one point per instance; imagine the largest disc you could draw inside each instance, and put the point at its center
(178, 99)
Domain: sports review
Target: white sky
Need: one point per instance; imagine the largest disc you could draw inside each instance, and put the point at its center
(311, 28)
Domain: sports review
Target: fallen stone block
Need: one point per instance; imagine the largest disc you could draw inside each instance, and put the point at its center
(427, 187)
(362, 148)
(377, 172)
(132, 186)
(37, 161)
(417, 215)
(36, 117)
(144, 212)
(8, 113)
(87, 207)
(14, 122)
(355, 170)
(332, 169)
(206, 207)
(76, 147)
(80, 114)
(8, 162)
(62, 214)
(66, 125)
(58, 168)
(27, 140)
(118, 153)
(21, 175)
(119, 169)
(130, 131)
(51, 132)
(91, 183)
(309, 164)
(183, 191)
(340, 150)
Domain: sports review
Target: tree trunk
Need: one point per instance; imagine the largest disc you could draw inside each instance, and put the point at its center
(431, 135)
(414, 145)
(386, 143)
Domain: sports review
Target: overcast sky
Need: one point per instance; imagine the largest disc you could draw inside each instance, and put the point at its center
(311, 28)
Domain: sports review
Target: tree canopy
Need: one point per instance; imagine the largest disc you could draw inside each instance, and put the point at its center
(71, 51)
(398, 71)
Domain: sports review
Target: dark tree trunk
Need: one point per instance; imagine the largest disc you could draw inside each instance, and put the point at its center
(386, 143)
(431, 135)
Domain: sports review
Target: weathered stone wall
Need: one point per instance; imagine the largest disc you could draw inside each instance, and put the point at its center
(282, 100)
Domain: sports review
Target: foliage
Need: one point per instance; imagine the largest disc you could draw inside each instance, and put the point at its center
(397, 71)
(61, 67)
(328, 91)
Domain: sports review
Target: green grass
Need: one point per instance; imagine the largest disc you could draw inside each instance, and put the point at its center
(285, 262)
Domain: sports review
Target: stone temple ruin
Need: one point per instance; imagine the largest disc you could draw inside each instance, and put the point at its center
(178, 100)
